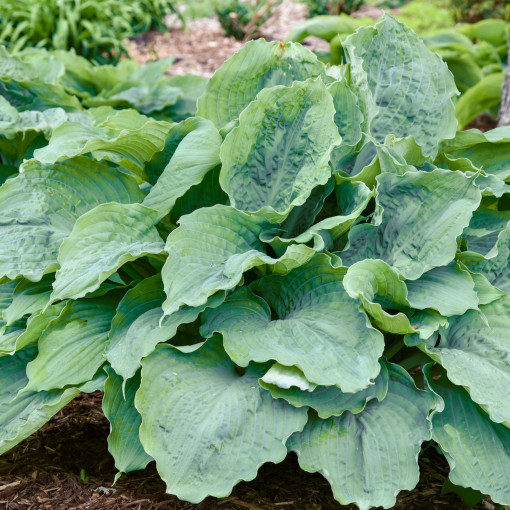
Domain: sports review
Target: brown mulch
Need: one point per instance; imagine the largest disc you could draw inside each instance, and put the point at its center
(203, 47)
(199, 50)
(66, 466)
(484, 122)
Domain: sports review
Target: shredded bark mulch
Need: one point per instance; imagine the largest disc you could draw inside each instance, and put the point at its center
(484, 122)
(66, 466)
(204, 46)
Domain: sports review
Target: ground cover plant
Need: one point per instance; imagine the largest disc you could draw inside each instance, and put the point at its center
(241, 19)
(96, 29)
(316, 262)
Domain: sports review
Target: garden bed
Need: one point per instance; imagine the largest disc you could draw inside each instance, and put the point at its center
(66, 466)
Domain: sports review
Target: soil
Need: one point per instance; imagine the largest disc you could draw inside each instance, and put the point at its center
(484, 122)
(66, 466)
(203, 46)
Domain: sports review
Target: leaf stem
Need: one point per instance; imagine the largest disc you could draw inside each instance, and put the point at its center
(394, 348)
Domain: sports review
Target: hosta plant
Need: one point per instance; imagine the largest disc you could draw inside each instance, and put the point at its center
(476, 54)
(41, 90)
(317, 262)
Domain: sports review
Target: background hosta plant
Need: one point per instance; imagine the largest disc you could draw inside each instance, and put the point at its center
(318, 262)
(96, 29)
(44, 93)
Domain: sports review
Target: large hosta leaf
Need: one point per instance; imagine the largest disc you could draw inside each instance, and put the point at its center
(421, 216)
(257, 66)
(22, 413)
(101, 241)
(475, 351)
(449, 289)
(280, 150)
(71, 351)
(119, 407)
(290, 384)
(319, 328)
(406, 89)
(477, 449)
(197, 153)
(139, 325)
(40, 206)
(212, 249)
(119, 136)
(369, 457)
(206, 425)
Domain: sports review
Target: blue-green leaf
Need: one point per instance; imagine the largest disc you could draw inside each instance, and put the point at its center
(201, 417)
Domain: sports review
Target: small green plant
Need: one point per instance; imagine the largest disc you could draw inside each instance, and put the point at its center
(333, 7)
(234, 17)
(241, 18)
(471, 11)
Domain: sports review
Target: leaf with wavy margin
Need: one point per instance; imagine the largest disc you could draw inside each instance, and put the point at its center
(258, 65)
(280, 150)
(477, 449)
(41, 205)
(318, 328)
(371, 456)
(102, 240)
(202, 417)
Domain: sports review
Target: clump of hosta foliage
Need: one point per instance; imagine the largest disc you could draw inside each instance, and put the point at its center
(96, 29)
(41, 90)
(316, 263)
(476, 55)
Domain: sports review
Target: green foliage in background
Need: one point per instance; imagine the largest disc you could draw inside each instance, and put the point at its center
(233, 17)
(475, 10)
(316, 262)
(95, 29)
(320, 7)
(241, 18)
(476, 54)
(46, 89)
(425, 17)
